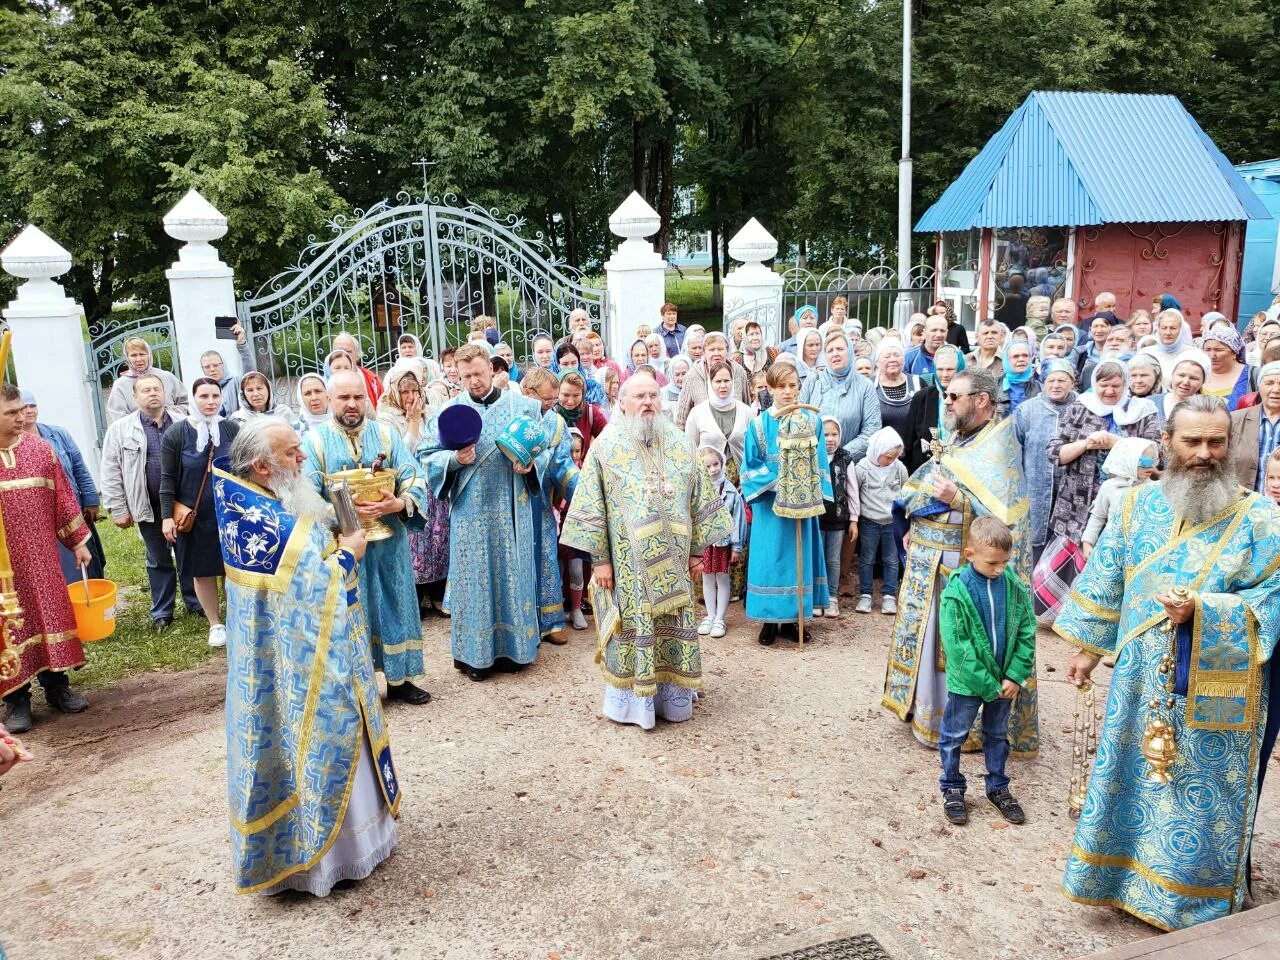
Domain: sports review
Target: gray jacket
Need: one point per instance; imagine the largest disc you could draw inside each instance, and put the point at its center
(124, 468)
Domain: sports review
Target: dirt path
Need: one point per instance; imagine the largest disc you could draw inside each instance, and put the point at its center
(790, 810)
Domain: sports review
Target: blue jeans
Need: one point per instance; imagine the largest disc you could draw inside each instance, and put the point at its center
(832, 541)
(957, 720)
(875, 541)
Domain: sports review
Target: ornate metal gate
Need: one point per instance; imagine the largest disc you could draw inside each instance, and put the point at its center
(427, 268)
(104, 353)
(872, 294)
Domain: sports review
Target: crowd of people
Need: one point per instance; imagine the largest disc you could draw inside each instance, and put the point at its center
(983, 487)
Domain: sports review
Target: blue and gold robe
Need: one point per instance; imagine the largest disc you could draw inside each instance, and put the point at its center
(987, 469)
(300, 686)
(646, 518)
(504, 572)
(386, 572)
(773, 582)
(1176, 854)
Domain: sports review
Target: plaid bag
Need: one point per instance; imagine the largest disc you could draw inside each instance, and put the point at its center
(1051, 581)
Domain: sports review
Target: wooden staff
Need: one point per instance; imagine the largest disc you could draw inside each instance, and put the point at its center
(780, 413)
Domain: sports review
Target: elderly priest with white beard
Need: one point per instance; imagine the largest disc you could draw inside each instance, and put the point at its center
(645, 509)
(310, 781)
(1183, 589)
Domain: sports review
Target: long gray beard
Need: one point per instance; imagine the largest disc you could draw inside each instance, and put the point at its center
(641, 429)
(1200, 497)
(299, 497)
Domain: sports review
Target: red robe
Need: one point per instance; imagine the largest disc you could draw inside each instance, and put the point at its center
(372, 386)
(39, 510)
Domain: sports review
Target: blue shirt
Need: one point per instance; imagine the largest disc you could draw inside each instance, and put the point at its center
(988, 597)
(919, 362)
(154, 434)
(72, 463)
(1268, 438)
(674, 339)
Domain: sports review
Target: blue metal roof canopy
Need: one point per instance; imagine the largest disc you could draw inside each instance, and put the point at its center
(1072, 159)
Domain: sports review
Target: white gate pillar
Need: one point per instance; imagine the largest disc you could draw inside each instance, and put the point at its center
(48, 341)
(753, 284)
(636, 276)
(201, 286)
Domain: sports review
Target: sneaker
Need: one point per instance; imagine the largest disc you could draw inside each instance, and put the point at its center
(1009, 808)
(864, 604)
(889, 605)
(17, 715)
(833, 608)
(705, 627)
(217, 635)
(818, 611)
(953, 806)
(579, 621)
(717, 629)
(65, 699)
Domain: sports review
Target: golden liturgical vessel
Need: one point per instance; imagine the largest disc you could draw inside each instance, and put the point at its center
(1159, 739)
(365, 484)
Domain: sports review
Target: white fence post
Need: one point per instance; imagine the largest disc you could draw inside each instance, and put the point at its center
(201, 286)
(636, 275)
(753, 284)
(48, 341)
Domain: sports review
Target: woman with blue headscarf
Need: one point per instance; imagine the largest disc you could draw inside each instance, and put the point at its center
(837, 390)
(1019, 383)
(805, 318)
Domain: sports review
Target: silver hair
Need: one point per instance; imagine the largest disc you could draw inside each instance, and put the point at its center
(625, 390)
(982, 382)
(253, 443)
(1197, 403)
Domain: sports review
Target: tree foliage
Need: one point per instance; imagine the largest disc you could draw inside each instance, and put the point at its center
(786, 110)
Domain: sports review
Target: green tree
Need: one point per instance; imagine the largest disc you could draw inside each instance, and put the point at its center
(109, 111)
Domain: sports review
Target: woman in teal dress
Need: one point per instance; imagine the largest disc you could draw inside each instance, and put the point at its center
(786, 477)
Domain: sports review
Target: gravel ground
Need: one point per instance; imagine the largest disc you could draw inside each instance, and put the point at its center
(790, 810)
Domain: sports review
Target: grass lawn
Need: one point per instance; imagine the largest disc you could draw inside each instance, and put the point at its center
(135, 647)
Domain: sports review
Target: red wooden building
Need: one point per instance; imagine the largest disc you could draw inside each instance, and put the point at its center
(1080, 193)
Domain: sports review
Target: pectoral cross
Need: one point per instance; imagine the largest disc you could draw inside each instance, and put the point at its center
(935, 443)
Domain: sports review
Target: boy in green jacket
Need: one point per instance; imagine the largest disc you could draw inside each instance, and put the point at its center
(989, 638)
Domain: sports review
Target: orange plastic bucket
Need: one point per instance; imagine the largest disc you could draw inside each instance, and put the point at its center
(94, 603)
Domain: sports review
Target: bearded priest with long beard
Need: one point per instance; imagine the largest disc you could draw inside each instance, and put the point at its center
(1183, 590)
(645, 509)
(310, 781)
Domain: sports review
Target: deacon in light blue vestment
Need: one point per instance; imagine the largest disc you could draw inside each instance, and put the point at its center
(386, 572)
(1177, 854)
(504, 576)
(310, 780)
(772, 577)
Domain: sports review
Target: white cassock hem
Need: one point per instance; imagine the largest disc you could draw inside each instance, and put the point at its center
(672, 702)
(366, 837)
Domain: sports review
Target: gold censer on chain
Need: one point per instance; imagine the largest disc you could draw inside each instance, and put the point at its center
(1084, 746)
(1159, 739)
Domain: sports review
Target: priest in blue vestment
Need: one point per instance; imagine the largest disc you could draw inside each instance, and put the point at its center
(1183, 590)
(504, 578)
(350, 440)
(310, 781)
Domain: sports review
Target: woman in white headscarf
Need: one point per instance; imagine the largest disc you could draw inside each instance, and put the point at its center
(679, 368)
(808, 353)
(257, 400)
(1188, 378)
(313, 402)
(1173, 341)
(187, 452)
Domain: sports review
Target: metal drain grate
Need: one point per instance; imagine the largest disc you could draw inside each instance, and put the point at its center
(862, 947)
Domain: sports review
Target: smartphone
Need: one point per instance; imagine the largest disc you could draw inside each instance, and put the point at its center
(222, 327)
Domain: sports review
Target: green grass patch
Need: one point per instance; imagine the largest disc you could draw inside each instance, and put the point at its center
(135, 647)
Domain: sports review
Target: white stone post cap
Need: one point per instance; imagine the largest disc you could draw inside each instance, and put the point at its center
(34, 255)
(634, 219)
(194, 219)
(753, 243)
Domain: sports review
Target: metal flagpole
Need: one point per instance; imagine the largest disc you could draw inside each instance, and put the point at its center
(903, 305)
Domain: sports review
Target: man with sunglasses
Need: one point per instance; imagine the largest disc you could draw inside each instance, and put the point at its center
(978, 472)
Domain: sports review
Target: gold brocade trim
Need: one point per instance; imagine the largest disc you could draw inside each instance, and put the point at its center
(308, 710)
(76, 521)
(267, 819)
(1223, 683)
(1196, 585)
(1080, 642)
(219, 472)
(375, 748)
(25, 483)
(276, 582)
(644, 690)
(1117, 904)
(1008, 515)
(902, 710)
(1097, 609)
(1142, 870)
(1185, 533)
